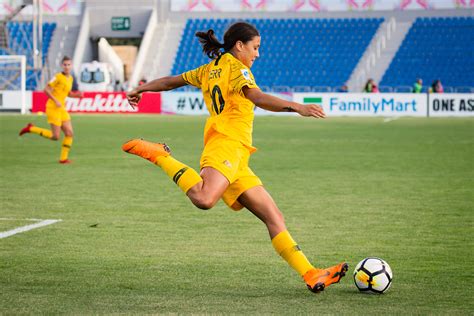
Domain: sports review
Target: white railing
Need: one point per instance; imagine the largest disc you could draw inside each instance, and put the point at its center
(144, 49)
(161, 45)
(374, 51)
(82, 42)
(107, 54)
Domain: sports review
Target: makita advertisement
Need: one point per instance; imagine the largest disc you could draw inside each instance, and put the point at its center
(365, 104)
(102, 102)
(451, 104)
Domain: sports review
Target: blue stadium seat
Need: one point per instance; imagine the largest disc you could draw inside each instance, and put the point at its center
(435, 48)
(20, 36)
(323, 52)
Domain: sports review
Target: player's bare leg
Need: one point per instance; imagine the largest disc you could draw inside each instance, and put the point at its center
(258, 201)
(56, 130)
(206, 193)
(261, 204)
(67, 129)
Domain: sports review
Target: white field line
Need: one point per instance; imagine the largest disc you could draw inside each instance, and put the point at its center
(22, 229)
(389, 119)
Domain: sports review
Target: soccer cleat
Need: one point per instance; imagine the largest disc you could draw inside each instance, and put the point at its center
(147, 150)
(65, 161)
(319, 279)
(26, 129)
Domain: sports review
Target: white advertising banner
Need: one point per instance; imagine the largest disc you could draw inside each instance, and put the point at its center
(187, 103)
(367, 104)
(192, 103)
(314, 5)
(11, 100)
(451, 104)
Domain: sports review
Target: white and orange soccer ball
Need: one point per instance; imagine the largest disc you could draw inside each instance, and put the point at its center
(373, 275)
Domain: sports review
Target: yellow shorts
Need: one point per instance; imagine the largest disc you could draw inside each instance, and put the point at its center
(57, 116)
(230, 157)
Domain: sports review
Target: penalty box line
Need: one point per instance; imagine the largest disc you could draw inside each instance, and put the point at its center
(25, 228)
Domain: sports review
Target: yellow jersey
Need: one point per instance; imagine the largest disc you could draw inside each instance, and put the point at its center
(61, 86)
(221, 82)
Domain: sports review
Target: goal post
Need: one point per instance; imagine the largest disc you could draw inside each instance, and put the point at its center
(13, 79)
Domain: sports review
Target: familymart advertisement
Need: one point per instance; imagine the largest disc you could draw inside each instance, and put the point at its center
(364, 104)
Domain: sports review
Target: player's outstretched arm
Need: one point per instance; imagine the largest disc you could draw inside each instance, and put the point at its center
(157, 85)
(274, 104)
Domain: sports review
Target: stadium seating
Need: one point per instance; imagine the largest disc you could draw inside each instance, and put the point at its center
(296, 54)
(435, 48)
(20, 42)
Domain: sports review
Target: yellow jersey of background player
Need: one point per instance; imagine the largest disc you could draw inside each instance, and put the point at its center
(57, 90)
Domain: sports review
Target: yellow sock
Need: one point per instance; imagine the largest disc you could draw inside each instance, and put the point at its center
(286, 247)
(65, 147)
(181, 174)
(46, 133)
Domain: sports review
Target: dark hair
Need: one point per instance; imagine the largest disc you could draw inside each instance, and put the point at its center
(239, 31)
(65, 58)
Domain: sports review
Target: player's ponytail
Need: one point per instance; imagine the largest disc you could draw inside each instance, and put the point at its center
(240, 31)
(210, 44)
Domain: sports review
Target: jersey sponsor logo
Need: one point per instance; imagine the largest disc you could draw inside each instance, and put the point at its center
(246, 74)
(227, 163)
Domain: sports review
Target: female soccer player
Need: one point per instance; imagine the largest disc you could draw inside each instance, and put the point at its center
(57, 90)
(230, 92)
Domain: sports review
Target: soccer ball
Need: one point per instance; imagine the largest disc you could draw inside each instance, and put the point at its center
(373, 275)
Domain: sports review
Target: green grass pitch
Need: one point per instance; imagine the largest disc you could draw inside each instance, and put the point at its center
(130, 242)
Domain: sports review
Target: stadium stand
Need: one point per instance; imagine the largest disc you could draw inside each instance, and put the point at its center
(324, 51)
(20, 36)
(435, 48)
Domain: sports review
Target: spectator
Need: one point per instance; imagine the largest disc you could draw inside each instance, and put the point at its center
(343, 89)
(436, 87)
(371, 86)
(118, 86)
(418, 86)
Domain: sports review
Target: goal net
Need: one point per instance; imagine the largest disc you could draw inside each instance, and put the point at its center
(13, 82)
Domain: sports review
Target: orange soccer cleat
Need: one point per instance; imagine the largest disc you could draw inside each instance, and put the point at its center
(147, 150)
(26, 129)
(318, 279)
(65, 161)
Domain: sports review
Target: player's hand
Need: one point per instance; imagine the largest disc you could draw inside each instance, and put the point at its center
(313, 110)
(133, 98)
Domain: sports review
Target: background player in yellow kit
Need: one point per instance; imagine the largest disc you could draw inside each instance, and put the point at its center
(57, 90)
(230, 92)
